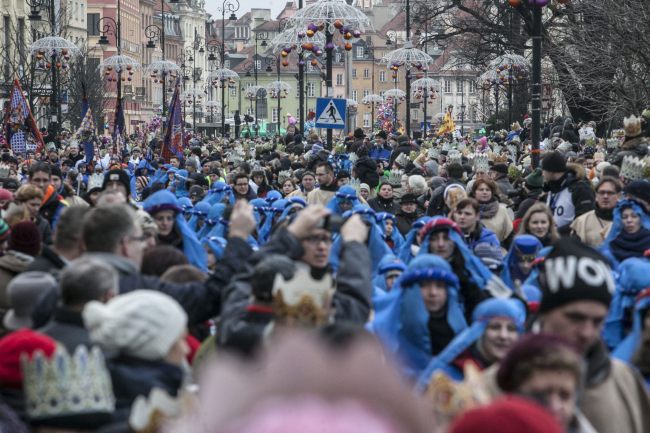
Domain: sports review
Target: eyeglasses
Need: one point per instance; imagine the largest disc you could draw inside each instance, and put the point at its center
(317, 239)
(241, 184)
(140, 238)
(605, 192)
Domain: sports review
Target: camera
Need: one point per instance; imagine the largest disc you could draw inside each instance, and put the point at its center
(332, 223)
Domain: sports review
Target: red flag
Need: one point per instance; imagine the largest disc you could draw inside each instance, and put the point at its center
(173, 141)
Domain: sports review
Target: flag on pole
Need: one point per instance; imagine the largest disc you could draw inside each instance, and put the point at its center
(87, 128)
(173, 143)
(19, 122)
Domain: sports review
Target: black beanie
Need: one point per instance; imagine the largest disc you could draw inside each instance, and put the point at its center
(358, 133)
(573, 272)
(554, 162)
(118, 175)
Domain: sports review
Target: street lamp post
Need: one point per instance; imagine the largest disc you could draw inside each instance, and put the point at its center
(55, 107)
(462, 105)
(230, 6)
(153, 33)
(536, 88)
(258, 37)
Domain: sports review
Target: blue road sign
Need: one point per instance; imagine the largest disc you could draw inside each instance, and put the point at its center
(330, 113)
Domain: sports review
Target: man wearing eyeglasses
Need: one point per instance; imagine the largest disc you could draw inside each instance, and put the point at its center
(241, 187)
(308, 239)
(593, 227)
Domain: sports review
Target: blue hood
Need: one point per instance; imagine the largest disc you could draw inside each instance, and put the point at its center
(192, 248)
(401, 318)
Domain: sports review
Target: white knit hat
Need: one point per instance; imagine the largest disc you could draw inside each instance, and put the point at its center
(143, 323)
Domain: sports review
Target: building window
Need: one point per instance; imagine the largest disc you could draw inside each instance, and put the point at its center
(381, 93)
(366, 120)
(354, 95)
(274, 115)
(233, 91)
(472, 86)
(366, 93)
(354, 74)
(92, 24)
(337, 57)
(366, 73)
(339, 79)
(447, 86)
(311, 90)
(258, 64)
(460, 86)
(382, 76)
(360, 52)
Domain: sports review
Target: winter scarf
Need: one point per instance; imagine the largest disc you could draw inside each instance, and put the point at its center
(627, 245)
(489, 209)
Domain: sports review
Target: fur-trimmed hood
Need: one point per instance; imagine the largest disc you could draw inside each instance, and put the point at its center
(577, 169)
(634, 143)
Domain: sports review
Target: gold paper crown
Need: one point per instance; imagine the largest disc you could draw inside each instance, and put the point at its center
(303, 300)
(632, 168)
(67, 386)
(612, 143)
(449, 398)
(284, 175)
(632, 126)
(501, 159)
(353, 157)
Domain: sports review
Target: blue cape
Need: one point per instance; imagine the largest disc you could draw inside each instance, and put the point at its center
(479, 273)
(483, 313)
(395, 236)
(389, 262)
(199, 213)
(376, 245)
(405, 253)
(219, 191)
(216, 245)
(214, 215)
(179, 182)
(401, 318)
(634, 276)
(628, 347)
(345, 192)
(273, 212)
(186, 205)
(524, 244)
(192, 248)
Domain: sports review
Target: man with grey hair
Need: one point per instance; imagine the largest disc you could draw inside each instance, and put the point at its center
(113, 235)
(83, 280)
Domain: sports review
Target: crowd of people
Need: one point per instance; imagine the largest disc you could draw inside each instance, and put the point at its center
(379, 284)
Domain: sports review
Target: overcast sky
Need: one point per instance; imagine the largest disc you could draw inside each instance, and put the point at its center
(245, 5)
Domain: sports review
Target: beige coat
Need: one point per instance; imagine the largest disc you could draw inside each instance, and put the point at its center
(319, 196)
(619, 404)
(590, 229)
(500, 224)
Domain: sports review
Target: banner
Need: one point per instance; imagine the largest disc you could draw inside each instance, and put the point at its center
(19, 123)
(173, 143)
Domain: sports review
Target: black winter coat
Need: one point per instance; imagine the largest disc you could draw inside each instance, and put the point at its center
(366, 171)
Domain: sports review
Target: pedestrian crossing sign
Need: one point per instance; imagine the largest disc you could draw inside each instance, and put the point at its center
(330, 113)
